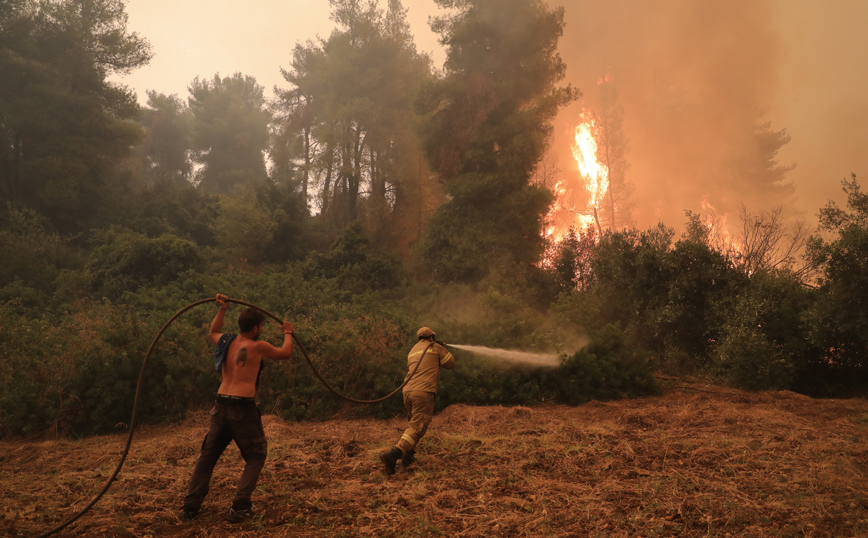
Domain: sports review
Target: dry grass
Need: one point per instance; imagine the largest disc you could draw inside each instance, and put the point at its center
(697, 461)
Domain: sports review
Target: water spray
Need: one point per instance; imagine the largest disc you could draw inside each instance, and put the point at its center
(550, 360)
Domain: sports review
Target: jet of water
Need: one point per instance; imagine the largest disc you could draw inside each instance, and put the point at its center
(522, 357)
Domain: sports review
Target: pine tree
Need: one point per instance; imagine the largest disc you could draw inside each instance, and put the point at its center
(489, 122)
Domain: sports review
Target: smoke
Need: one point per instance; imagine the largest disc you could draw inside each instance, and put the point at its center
(517, 357)
(698, 80)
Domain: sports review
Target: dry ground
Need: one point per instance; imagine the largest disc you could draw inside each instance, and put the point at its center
(696, 461)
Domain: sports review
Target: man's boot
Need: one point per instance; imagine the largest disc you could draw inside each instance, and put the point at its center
(391, 458)
(408, 459)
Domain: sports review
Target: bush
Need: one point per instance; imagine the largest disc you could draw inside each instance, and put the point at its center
(244, 227)
(762, 344)
(33, 254)
(353, 265)
(78, 376)
(360, 353)
(126, 261)
(606, 369)
(839, 318)
(746, 359)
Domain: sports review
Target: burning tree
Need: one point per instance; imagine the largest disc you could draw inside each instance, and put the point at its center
(612, 153)
(766, 241)
(577, 198)
(600, 194)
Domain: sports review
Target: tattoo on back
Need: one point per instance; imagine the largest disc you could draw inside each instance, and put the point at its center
(241, 358)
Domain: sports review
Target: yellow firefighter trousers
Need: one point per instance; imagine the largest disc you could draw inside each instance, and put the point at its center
(420, 411)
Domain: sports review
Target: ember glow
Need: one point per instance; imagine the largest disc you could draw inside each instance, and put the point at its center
(579, 194)
(718, 228)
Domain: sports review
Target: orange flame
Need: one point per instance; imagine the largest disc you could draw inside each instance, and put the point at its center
(718, 227)
(608, 78)
(571, 208)
(594, 174)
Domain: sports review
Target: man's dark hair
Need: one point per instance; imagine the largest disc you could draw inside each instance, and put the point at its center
(249, 318)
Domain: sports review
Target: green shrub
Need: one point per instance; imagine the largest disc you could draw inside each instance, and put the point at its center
(126, 261)
(78, 376)
(33, 254)
(746, 359)
(80, 362)
(358, 353)
(604, 370)
(244, 227)
(762, 344)
(354, 265)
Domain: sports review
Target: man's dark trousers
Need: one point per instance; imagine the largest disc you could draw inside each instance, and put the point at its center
(236, 420)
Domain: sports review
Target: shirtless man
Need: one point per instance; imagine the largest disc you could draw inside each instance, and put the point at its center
(235, 416)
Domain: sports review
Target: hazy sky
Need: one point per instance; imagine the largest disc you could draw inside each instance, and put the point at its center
(193, 38)
(822, 97)
(801, 65)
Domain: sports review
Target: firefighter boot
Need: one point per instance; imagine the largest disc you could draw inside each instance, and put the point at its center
(390, 458)
(408, 459)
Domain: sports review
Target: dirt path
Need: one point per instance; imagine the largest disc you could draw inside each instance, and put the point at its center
(701, 461)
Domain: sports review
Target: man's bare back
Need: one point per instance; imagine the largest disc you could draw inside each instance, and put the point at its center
(241, 368)
(245, 354)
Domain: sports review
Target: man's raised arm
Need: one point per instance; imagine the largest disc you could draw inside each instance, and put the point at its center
(283, 352)
(217, 324)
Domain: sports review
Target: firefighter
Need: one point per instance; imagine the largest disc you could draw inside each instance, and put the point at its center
(419, 393)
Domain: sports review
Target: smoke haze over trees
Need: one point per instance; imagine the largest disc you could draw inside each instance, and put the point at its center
(815, 53)
(697, 82)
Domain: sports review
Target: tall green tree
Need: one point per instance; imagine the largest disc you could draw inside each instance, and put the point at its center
(168, 137)
(291, 145)
(64, 128)
(489, 121)
(167, 202)
(348, 114)
(230, 131)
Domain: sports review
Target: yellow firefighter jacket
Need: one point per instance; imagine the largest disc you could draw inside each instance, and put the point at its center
(426, 376)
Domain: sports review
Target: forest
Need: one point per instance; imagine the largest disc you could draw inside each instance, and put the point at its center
(375, 193)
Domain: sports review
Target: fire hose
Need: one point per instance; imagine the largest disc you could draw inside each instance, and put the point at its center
(139, 389)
